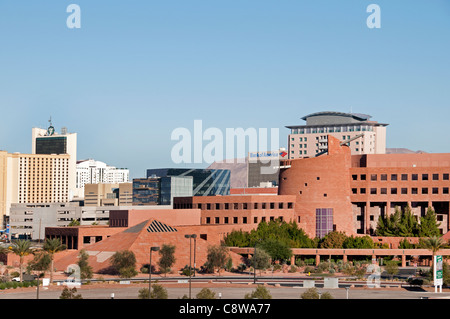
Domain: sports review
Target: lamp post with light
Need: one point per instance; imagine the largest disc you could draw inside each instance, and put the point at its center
(155, 248)
(190, 236)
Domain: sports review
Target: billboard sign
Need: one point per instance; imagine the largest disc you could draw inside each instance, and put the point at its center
(438, 271)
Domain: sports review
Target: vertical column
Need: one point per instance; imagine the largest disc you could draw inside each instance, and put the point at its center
(367, 218)
(293, 260)
(317, 259)
(403, 260)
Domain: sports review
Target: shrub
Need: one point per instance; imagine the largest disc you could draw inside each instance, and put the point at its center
(261, 292)
(311, 293)
(158, 292)
(293, 269)
(309, 269)
(206, 293)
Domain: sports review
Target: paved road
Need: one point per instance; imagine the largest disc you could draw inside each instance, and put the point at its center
(132, 291)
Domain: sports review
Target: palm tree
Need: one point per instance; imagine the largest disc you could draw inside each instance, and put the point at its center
(434, 244)
(21, 248)
(52, 246)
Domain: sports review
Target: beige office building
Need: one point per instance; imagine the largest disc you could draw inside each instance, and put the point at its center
(108, 194)
(362, 135)
(32, 178)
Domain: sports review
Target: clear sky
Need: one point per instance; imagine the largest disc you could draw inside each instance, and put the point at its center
(137, 70)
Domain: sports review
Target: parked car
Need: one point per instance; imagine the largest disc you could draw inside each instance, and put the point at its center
(26, 277)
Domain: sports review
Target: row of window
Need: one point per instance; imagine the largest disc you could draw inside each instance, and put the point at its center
(403, 177)
(403, 191)
(238, 220)
(240, 206)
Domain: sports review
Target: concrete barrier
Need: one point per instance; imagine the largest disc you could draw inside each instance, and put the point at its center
(309, 283)
(331, 283)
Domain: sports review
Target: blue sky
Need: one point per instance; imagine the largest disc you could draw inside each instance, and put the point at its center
(136, 70)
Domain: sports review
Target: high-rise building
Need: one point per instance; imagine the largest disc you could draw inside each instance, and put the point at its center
(205, 182)
(362, 135)
(49, 142)
(33, 178)
(96, 172)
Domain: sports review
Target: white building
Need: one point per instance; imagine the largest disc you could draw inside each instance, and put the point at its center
(96, 172)
(362, 135)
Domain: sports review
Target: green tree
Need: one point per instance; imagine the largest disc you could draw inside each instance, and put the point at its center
(167, 257)
(125, 263)
(237, 238)
(359, 242)
(260, 259)
(277, 249)
(217, 257)
(41, 262)
(86, 271)
(52, 246)
(21, 248)
(391, 268)
(74, 222)
(334, 239)
(408, 226)
(434, 244)
(206, 293)
(158, 292)
(261, 292)
(429, 227)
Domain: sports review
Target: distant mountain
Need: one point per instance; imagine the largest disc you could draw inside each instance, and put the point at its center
(402, 151)
(238, 169)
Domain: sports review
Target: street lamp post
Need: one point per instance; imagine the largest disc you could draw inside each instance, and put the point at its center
(155, 248)
(190, 236)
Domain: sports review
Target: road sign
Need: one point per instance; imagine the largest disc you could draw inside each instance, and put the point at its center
(438, 271)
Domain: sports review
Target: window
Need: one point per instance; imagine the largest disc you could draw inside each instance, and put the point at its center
(373, 191)
(424, 190)
(362, 190)
(414, 191)
(217, 206)
(373, 177)
(445, 176)
(393, 177)
(324, 221)
(383, 177)
(354, 191)
(255, 220)
(244, 220)
(355, 177)
(383, 191)
(363, 177)
(404, 191)
(225, 220)
(394, 191)
(435, 190)
(445, 190)
(424, 177)
(435, 177)
(216, 220)
(404, 177)
(208, 220)
(235, 220)
(414, 177)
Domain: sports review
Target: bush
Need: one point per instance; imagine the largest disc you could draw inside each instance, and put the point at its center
(311, 293)
(309, 269)
(261, 292)
(206, 293)
(293, 269)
